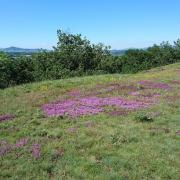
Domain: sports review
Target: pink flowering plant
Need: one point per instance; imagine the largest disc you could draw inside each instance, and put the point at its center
(154, 85)
(6, 117)
(95, 102)
(7, 148)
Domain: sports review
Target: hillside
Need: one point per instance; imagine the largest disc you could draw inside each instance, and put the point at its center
(115, 52)
(16, 51)
(95, 127)
(20, 50)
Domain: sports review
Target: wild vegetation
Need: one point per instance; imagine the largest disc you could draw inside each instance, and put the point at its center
(95, 127)
(77, 56)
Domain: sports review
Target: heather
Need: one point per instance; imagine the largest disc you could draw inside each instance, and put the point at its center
(93, 105)
(22, 142)
(33, 151)
(36, 151)
(6, 117)
(92, 102)
(113, 126)
(150, 84)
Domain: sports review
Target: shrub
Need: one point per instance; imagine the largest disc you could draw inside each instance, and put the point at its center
(144, 118)
(76, 56)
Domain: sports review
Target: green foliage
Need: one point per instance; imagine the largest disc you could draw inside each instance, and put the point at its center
(144, 118)
(76, 56)
(6, 68)
(23, 71)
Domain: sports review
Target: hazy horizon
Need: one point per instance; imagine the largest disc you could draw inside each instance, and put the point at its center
(52, 48)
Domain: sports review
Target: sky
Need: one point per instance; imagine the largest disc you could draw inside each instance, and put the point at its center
(119, 23)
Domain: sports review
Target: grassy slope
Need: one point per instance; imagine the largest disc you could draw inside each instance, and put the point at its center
(118, 147)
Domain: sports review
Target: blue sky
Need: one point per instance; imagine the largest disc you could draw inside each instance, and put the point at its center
(119, 23)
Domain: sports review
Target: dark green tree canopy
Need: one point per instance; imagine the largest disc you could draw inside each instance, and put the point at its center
(75, 55)
(79, 53)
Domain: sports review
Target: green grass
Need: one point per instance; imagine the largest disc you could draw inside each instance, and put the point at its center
(136, 145)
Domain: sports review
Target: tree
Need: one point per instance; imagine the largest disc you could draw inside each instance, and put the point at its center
(177, 49)
(78, 53)
(6, 68)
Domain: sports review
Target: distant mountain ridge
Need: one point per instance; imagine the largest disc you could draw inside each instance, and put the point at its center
(17, 50)
(20, 50)
(116, 52)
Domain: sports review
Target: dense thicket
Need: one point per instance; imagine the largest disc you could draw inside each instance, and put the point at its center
(76, 56)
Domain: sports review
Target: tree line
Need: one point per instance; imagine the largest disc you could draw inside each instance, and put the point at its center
(74, 55)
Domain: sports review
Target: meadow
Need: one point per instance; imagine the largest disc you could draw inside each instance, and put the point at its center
(95, 127)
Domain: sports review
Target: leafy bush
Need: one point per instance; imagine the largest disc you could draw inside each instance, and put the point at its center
(144, 118)
(76, 56)
(6, 70)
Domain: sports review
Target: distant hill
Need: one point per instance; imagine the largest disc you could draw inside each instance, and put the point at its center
(118, 52)
(16, 51)
(20, 50)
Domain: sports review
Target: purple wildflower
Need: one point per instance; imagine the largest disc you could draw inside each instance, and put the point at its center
(36, 150)
(93, 105)
(126, 104)
(151, 84)
(6, 117)
(73, 108)
(22, 142)
(5, 148)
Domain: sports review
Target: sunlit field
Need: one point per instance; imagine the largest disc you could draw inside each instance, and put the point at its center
(95, 127)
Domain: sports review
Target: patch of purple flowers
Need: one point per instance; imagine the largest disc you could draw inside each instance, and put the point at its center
(5, 148)
(156, 85)
(73, 108)
(6, 117)
(92, 105)
(22, 142)
(36, 151)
